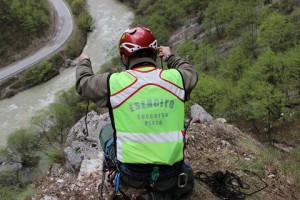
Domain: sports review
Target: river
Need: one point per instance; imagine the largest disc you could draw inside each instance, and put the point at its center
(111, 18)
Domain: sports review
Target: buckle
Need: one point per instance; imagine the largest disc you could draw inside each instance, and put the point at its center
(182, 180)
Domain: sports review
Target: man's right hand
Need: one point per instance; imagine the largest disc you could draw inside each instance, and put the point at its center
(83, 57)
(164, 52)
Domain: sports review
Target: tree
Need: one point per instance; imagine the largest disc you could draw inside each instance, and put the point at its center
(261, 92)
(248, 43)
(186, 49)
(291, 84)
(235, 64)
(26, 145)
(210, 93)
(243, 17)
(53, 124)
(78, 6)
(217, 15)
(276, 32)
(20, 22)
(264, 105)
(84, 21)
(206, 57)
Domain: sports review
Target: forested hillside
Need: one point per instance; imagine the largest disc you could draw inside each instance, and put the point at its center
(247, 54)
(26, 27)
(21, 22)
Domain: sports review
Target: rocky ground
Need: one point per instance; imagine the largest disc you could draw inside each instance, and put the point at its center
(212, 145)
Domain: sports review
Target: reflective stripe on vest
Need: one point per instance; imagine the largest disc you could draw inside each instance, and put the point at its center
(148, 112)
(146, 138)
(145, 79)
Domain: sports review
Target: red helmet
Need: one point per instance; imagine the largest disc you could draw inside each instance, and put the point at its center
(135, 39)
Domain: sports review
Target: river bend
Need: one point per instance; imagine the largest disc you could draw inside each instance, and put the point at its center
(111, 18)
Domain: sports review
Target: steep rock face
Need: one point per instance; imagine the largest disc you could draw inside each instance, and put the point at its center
(192, 30)
(212, 145)
(83, 145)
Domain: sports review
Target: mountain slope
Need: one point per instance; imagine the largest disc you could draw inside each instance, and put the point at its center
(211, 146)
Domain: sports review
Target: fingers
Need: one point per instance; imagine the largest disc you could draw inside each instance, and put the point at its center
(164, 51)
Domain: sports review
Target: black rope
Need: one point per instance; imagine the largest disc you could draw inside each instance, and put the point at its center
(161, 63)
(124, 195)
(101, 185)
(187, 125)
(86, 113)
(227, 185)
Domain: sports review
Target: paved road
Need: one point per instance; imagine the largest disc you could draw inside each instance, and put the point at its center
(64, 27)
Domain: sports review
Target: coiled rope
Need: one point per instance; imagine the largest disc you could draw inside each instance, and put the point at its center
(227, 185)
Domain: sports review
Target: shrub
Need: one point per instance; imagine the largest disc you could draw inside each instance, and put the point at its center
(25, 144)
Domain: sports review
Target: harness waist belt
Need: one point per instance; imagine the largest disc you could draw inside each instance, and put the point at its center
(140, 172)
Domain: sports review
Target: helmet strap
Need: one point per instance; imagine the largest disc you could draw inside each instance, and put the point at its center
(125, 61)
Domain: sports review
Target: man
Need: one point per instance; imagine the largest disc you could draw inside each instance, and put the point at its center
(146, 107)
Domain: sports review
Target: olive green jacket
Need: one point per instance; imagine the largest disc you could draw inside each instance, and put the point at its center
(94, 86)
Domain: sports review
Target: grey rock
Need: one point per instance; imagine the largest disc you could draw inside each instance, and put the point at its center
(10, 167)
(83, 140)
(73, 155)
(198, 114)
(49, 198)
(224, 143)
(55, 169)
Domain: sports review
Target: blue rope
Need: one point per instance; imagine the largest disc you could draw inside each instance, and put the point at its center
(117, 182)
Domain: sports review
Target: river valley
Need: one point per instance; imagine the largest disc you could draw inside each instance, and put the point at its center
(111, 18)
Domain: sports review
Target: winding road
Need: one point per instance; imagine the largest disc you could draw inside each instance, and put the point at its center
(64, 25)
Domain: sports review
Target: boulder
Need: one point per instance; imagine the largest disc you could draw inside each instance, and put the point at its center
(83, 147)
(198, 114)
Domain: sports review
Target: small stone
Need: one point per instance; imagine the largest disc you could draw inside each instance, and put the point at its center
(271, 176)
(60, 181)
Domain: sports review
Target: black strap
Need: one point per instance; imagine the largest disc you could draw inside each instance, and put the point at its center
(124, 195)
(227, 185)
(85, 119)
(101, 185)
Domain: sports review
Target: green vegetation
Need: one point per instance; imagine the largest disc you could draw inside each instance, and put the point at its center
(54, 123)
(290, 164)
(24, 144)
(49, 68)
(21, 22)
(164, 17)
(16, 193)
(83, 25)
(247, 62)
(35, 75)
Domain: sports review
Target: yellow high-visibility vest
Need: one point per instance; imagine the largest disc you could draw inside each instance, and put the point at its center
(148, 114)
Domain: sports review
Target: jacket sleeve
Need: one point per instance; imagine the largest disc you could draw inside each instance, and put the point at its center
(188, 73)
(90, 85)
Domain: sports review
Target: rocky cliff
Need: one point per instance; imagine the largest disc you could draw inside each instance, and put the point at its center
(212, 145)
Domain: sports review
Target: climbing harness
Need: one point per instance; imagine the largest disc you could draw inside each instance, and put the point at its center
(227, 186)
(114, 180)
(182, 180)
(113, 176)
